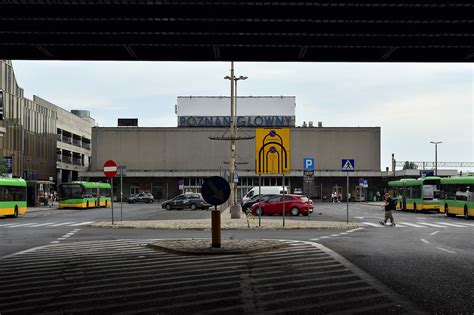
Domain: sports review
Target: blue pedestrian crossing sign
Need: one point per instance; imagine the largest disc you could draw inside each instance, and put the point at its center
(308, 164)
(348, 165)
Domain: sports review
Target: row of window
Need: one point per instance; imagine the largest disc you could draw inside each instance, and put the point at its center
(12, 193)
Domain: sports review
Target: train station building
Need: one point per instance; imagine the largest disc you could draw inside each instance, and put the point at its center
(169, 160)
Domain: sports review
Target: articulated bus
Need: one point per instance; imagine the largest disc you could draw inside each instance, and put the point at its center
(457, 196)
(84, 195)
(12, 197)
(420, 194)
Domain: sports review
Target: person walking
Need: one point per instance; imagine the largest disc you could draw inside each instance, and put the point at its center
(388, 206)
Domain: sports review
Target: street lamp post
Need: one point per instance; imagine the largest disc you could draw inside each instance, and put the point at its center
(233, 132)
(436, 155)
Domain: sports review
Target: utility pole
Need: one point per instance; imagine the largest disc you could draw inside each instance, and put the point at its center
(233, 133)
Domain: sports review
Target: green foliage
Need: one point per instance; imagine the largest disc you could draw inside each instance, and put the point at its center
(3, 167)
(410, 166)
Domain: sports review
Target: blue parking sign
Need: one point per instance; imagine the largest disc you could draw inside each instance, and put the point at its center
(308, 164)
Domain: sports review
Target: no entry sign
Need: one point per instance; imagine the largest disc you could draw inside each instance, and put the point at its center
(110, 168)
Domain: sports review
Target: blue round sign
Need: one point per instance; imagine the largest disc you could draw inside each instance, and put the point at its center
(215, 190)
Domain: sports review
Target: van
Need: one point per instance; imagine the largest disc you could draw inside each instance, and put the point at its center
(265, 190)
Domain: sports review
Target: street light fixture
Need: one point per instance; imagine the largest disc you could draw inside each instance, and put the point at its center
(436, 155)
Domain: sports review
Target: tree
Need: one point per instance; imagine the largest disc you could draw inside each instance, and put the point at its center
(410, 166)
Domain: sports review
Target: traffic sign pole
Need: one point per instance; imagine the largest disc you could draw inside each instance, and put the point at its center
(347, 198)
(112, 199)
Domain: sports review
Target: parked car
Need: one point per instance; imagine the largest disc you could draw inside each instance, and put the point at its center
(249, 203)
(264, 190)
(192, 201)
(294, 205)
(141, 197)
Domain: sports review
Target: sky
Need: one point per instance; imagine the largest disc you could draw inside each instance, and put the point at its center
(413, 103)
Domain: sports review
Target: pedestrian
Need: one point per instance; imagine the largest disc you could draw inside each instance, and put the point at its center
(378, 195)
(388, 207)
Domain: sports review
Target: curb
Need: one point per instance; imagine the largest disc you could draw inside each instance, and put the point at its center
(228, 247)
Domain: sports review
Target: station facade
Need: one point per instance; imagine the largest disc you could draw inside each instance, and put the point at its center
(169, 160)
(40, 141)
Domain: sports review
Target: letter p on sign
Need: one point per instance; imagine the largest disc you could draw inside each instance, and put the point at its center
(308, 164)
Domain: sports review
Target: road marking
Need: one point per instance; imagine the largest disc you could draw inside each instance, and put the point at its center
(314, 239)
(434, 233)
(64, 223)
(449, 251)
(412, 224)
(42, 224)
(425, 241)
(430, 224)
(466, 224)
(372, 224)
(7, 224)
(451, 224)
(82, 223)
(21, 225)
(324, 236)
(343, 233)
(54, 242)
(359, 217)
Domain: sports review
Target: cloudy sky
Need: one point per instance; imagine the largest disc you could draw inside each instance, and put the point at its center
(412, 103)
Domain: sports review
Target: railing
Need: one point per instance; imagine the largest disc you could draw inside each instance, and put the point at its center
(77, 161)
(76, 142)
(67, 139)
(86, 145)
(67, 159)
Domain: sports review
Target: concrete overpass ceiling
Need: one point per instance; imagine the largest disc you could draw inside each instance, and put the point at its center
(373, 31)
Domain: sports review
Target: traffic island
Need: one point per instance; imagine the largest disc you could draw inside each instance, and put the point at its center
(228, 247)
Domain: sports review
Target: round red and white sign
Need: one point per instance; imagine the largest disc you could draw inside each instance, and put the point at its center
(110, 168)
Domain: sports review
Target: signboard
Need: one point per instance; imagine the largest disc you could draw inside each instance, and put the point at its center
(215, 190)
(181, 184)
(308, 173)
(272, 151)
(348, 165)
(8, 160)
(308, 164)
(110, 168)
(236, 177)
(127, 122)
(242, 121)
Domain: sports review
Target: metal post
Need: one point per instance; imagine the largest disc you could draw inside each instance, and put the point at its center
(259, 200)
(347, 198)
(216, 227)
(121, 191)
(283, 199)
(112, 199)
(436, 159)
(232, 134)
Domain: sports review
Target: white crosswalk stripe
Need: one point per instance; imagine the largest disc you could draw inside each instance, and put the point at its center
(451, 224)
(412, 224)
(430, 224)
(42, 224)
(420, 224)
(48, 224)
(64, 223)
(372, 224)
(82, 223)
(466, 224)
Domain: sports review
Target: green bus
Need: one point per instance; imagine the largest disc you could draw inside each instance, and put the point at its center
(457, 196)
(84, 195)
(420, 194)
(12, 197)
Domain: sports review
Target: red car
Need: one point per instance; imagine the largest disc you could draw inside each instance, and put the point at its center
(294, 205)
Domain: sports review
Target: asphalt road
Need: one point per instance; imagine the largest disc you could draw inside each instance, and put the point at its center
(427, 258)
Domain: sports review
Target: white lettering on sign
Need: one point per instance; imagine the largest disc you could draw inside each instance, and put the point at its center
(110, 168)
